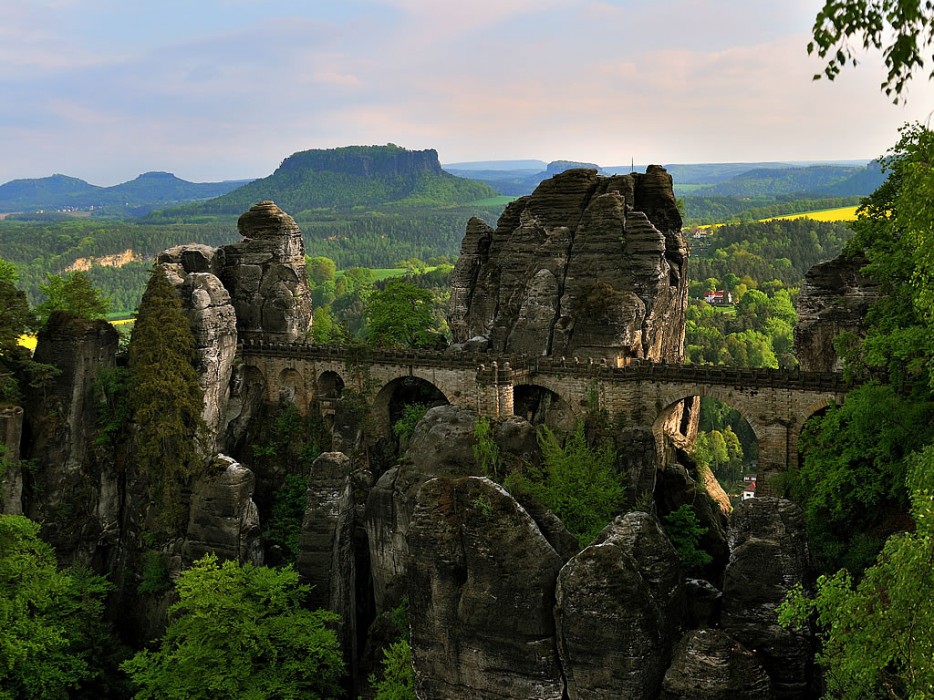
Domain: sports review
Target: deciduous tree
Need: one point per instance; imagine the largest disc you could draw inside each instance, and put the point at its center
(902, 29)
(241, 632)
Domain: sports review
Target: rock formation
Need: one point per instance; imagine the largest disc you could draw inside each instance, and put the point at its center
(11, 481)
(618, 605)
(223, 517)
(192, 269)
(768, 556)
(585, 266)
(72, 492)
(326, 557)
(480, 592)
(833, 300)
(265, 275)
(710, 665)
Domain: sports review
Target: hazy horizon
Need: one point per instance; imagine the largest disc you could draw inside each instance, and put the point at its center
(104, 90)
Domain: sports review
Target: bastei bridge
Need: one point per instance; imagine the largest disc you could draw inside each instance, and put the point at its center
(776, 403)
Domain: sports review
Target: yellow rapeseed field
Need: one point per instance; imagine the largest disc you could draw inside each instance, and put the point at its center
(838, 214)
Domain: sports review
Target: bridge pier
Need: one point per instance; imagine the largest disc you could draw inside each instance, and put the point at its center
(495, 390)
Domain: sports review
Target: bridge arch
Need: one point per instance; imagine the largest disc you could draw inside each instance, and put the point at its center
(329, 385)
(390, 401)
(678, 422)
(542, 404)
(292, 389)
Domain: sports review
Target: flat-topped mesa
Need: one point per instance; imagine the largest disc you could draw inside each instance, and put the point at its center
(265, 275)
(587, 266)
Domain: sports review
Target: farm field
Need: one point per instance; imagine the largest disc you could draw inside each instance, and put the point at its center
(838, 214)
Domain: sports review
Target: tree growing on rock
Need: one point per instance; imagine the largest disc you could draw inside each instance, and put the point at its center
(73, 292)
(165, 396)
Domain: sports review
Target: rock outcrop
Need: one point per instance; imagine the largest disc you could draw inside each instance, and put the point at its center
(834, 299)
(192, 269)
(72, 492)
(481, 586)
(11, 481)
(326, 557)
(223, 518)
(265, 275)
(618, 607)
(710, 665)
(768, 556)
(585, 266)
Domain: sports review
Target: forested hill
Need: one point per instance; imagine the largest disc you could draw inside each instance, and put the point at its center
(149, 190)
(352, 176)
(815, 181)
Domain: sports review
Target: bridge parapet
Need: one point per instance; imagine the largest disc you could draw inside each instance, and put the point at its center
(498, 368)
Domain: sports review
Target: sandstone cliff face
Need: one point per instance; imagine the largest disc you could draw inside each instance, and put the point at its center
(72, 492)
(587, 266)
(223, 517)
(708, 664)
(11, 484)
(480, 595)
(768, 556)
(618, 607)
(326, 556)
(265, 275)
(192, 269)
(833, 300)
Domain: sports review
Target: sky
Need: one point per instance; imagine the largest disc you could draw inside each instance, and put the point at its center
(217, 90)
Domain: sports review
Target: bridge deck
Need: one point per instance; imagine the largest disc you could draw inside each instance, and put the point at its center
(521, 366)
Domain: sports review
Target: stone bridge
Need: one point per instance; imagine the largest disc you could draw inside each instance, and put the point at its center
(776, 403)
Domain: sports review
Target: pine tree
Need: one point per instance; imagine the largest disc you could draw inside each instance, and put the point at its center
(165, 397)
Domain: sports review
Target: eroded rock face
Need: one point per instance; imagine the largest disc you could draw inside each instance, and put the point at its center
(326, 557)
(834, 299)
(74, 491)
(768, 556)
(710, 665)
(480, 587)
(586, 266)
(265, 275)
(11, 485)
(192, 271)
(223, 518)
(618, 606)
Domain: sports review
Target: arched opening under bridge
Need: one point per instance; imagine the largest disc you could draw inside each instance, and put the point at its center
(542, 406)
(717, 437)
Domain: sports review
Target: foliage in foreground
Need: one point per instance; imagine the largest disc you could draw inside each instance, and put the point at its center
(878, 637)
(241, 632)
(52, 638)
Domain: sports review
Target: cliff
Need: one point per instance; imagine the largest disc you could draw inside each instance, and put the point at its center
(586, 266)
(834, 299)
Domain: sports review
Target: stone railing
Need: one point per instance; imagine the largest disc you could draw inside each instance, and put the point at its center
(503, 368)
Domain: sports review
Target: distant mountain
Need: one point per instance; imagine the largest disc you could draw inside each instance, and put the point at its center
(815, 180)
(60, 192)
(348, 177)
(848, 176)
(515, 181)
